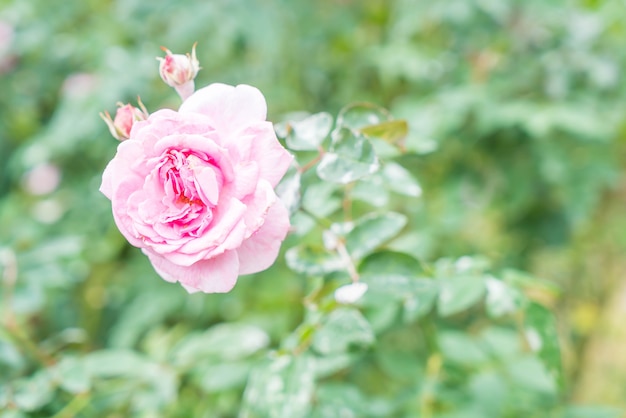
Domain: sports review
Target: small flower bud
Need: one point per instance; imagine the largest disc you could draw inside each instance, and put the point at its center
(350, 293)
(125, 117)
(179, 71)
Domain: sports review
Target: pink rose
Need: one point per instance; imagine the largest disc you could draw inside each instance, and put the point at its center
(194, 189)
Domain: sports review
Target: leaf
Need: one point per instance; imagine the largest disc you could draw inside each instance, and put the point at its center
(343, 328)
(309, 133)
(351, 157)
(339, 400)
(541, 335)
(359, 115)
(227, 341)
(282, 387)
(392, 131)
(398, 286)
(459, 293)
(159, 383)
(460, 348)
(371, 190)
(31, 393)
(319, 199)
(313, 261)
(72, 375)
(371, 231)
(223, 376)
(288, 190)
(531, 374)
(400, 180)
(386, 261)
(502, 298)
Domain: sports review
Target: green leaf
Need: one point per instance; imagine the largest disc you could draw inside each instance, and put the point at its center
(339, 400)
(459, 293)
(392, 131)
(222, 376)
(460, 348)
(31, 393)
(371, 190)
(289, 189)
(399, 286)
(350, 158)
(72, 375)
(227, 341)
(359, 115)
(371, 231)
(320, 199)
(282, 387)
(542, 337)
(313, 261)
(385, 261)
(400, 180)
(155, 385)
(530, 374)
(309, 133)
(343, 328)
(502, 298)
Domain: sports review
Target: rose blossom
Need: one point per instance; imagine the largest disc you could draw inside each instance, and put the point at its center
(194, 188)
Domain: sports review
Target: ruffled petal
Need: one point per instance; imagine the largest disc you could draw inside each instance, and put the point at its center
(259, 252)
(229, 108)
(215, 275)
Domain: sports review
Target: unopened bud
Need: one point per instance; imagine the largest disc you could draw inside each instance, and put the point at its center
(350, 293)
(125, 118)
(179, 71)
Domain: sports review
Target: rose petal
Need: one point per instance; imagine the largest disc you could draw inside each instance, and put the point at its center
(259, 143)
(215, 275)
(229, 108)
(257, 206)
(259, 252)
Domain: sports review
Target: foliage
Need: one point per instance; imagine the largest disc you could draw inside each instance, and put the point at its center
(501, 154)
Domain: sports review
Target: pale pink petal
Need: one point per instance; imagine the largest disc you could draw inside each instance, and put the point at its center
(229, 108)
(119, 168)
(119, 201)
(257, 206)
(226, 232)
(245, 182)
(259, 252)
(258, 143)
(215, 275)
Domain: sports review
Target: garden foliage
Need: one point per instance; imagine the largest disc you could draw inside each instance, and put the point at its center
(460, 159)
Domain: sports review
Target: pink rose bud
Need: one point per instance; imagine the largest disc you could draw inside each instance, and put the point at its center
(179, 71)
(125, 117)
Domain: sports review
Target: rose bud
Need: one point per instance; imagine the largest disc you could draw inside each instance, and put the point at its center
(125, 117)
(179, 71)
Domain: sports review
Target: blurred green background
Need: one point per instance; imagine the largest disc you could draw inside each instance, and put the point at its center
(516, 114)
